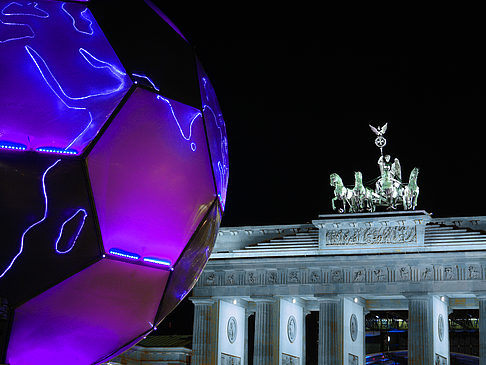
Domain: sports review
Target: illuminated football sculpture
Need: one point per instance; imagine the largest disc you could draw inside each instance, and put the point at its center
(113, 173)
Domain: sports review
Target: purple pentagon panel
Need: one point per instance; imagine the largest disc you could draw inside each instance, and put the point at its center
(191, 263)
(87, 316)
(216, 130)
(61, 79)
(151, 178)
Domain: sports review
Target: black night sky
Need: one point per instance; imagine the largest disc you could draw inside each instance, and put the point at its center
(298, 88)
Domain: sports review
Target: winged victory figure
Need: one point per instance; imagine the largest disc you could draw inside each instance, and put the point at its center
(380, 130)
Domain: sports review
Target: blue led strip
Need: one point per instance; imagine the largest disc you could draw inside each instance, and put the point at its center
(12, 146)
(124, 254)
(136, 257)
(157, 261)
(57, 150)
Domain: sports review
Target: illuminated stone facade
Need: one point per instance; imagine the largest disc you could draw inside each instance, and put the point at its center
(342, 266)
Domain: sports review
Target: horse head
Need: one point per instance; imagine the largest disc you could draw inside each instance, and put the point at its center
(413, 176)
(358, 178)
(335, 179)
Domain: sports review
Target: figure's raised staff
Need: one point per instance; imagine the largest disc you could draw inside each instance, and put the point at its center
(380, 141)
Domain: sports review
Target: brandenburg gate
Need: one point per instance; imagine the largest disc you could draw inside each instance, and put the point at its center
(342, 266)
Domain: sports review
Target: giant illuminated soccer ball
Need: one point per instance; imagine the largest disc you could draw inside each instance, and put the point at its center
(113, 174)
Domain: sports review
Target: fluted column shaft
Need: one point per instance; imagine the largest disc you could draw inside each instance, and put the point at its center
(420, 346)
(482, 329)
(247, 315)
(266, 333)
(330, 330)
(304, 335)
(204, 336)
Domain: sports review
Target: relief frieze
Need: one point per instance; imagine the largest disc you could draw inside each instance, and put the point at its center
(315, 276)
(372, 236)
(398, 272)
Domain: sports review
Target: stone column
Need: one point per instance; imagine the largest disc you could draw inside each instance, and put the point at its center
(482, 329)
(266, 332)
(304, 338)
(365, 312)
(248, 313)
(204, 340)
(420, 345)
(330, 332)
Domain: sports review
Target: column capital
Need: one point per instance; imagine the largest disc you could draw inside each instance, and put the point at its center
(263, 299)
(235, 300)
(417, 295)
(202, 300)
(294, 299)
(327, 298)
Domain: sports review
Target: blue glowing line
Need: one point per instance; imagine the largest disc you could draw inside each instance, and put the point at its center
(113, 69)
(182, 295)
(56, 86)
(205, 81)
(154, 260)
(83, 15)
(148, 79)
(77, 233)
(222, 167)
(19, 24)
(123, 253)
(187, 138)
(18, 38)
(45, 14)
(39, 62)
(34, 224)
(83, 131)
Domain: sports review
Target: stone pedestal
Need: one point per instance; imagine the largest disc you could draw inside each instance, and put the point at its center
(204, 341)
(266, 332)
(366, 230)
